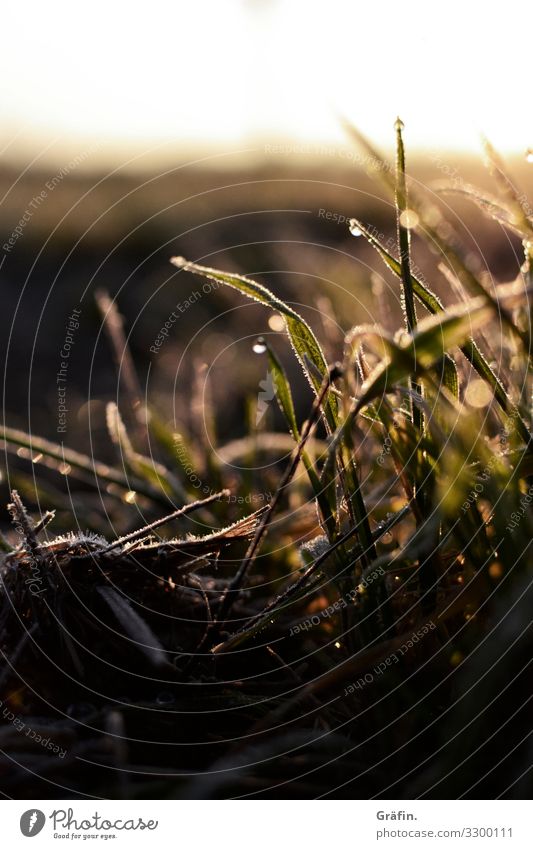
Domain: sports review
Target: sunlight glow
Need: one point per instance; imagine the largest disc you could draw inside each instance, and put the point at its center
(243, 72)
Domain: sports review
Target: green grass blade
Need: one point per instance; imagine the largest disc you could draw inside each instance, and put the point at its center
(283, 392)
(404, 250)
(307, 348)
(426, 346)
(470, 350)
(424, 294)
(97, 473)
(449, 375)
(514, 201)
(302, 338)
(403, 235)
(488, 205)
(433, 235)
(145, 468)
(322, 494)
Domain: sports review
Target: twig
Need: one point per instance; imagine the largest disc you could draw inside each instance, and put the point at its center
(20, 518)
(227, 600)
(44, 521)
(182, 511)
(309, 572)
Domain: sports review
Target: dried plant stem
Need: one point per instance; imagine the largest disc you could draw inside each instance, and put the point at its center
(311, 570)
(114, 325)
(307, 429)
(25, 525)
(81, 462)
(177, 514)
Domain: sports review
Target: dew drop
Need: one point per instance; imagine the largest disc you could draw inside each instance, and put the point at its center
(409, 219)
(259, 346)
(276, 322)
(529, 155)
(478, 394)
(355, 230)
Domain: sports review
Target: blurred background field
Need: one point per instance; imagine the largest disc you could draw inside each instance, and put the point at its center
(281, 218)
(284, 222)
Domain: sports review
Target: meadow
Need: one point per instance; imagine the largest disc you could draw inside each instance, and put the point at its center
(281, 547)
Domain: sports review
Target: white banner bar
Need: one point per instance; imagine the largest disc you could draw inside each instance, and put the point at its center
(268, 824)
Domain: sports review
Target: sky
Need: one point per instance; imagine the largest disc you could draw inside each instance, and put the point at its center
(225, 75)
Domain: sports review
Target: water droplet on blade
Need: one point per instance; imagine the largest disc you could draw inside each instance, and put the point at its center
(276, 322)
(478, 394)
(409, 219)
(355, 230)
(529, 155)
(259, 346)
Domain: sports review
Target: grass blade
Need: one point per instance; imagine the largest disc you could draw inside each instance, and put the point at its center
(284, 396)
(426, 346)
(432, 233)
(470, 350)
(404, 250)
(302, 338)
(99, 474)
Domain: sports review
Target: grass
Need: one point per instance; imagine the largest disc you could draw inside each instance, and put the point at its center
(365, 630)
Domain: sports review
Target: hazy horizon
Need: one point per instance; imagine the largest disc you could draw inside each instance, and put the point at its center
(123, 86)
